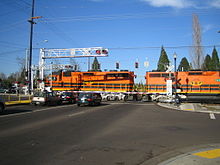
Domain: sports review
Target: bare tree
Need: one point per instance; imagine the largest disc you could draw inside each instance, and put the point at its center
(21, 62)
(75, 64)
(197, 56)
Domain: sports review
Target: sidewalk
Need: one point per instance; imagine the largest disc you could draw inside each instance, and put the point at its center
(194, 107)
(205, 156)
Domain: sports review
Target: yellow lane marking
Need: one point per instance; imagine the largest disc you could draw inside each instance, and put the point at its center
(210, 154)
(188, 109)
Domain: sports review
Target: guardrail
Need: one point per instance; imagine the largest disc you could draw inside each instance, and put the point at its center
(10, 99)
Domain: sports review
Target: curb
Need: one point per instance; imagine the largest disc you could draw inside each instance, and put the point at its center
(189, 107)
(185, 156)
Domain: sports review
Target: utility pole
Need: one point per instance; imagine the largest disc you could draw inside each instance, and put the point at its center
(175, 74)
(30, 85)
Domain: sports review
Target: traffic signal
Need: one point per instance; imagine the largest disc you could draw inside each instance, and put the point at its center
(136, 64)
(117, 65)
(75, 67)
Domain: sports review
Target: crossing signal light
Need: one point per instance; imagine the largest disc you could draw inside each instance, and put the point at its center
(136, 64)
(101, 51)
(98, 51)
(104, 51)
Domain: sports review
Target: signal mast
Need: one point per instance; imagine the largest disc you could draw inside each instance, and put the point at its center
(68, 53)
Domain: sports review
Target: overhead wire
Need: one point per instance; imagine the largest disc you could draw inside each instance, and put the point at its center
(10, 52)
(167, 47)
(12, 26)
(151, 47)
(112, 17)
(26, 3)
(11, 43)
(55, 29)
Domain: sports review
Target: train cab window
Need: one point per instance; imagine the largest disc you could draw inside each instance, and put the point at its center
(195, 73)
(155, 75)
(67, 74)
(54, 78)
(167, 75)
(112, 75)
(123, 75)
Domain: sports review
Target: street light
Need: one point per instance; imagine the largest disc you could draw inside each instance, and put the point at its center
(175, 74)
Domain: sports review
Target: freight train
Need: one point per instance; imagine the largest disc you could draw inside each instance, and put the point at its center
(112, 81)
(190, 84)
(194, 85)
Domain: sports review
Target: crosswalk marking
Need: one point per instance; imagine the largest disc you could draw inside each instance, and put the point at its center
(212, 116)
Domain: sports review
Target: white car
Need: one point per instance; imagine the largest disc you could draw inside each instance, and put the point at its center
(113, 96)
(46, 98)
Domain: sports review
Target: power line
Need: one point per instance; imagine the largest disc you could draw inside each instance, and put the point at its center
(112, 17)
(12, 26)
(10, 44)
(167, 47)
(26, 3)
(151, 47)
(10, 52)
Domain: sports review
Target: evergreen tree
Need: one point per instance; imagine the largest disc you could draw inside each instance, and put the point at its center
(215, 60)
(207, 65)
(184, 65)
(163, 61)
(95, 65)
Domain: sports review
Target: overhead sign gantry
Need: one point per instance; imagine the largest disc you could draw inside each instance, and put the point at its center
(68, 53)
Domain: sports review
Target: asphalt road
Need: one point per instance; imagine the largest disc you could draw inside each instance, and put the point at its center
(111, 134)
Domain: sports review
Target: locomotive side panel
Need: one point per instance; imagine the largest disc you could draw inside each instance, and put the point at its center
(187, 82)
(108, 81)
(70, 81)
(156, 81)
(199, 82)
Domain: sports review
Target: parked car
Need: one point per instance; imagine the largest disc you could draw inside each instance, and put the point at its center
(69, 97)
(114, 96)
(46, 98)
(3, 90)
(2, 104)
(89, 99)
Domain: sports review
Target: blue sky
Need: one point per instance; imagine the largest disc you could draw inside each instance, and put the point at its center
(133, 30)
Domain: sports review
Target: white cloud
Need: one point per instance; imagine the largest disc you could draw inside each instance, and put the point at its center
(170, 3)
(215, 3)
(207, 28)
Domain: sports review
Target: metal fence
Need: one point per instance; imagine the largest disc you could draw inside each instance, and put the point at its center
(10, 99)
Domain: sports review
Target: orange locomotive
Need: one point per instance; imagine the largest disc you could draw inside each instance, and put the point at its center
(112, 81)
(190, 83)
